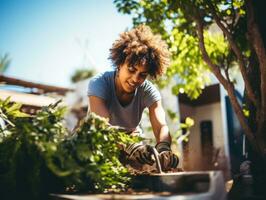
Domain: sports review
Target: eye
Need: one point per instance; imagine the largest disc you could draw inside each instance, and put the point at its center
(131, 69)
(143, 75)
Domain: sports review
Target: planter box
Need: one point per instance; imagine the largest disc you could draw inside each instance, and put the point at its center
(202, 185)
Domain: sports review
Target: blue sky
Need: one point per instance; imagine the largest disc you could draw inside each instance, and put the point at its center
(48, 39)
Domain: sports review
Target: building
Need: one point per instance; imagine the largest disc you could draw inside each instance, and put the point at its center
(31, 95)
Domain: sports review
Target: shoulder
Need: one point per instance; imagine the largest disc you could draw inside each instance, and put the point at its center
(148, 87)
(104, 76)
(149, 93)
(100, 84)
(101, 79)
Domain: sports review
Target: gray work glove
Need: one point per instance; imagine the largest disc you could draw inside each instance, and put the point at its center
(141, 153)
(167, 158)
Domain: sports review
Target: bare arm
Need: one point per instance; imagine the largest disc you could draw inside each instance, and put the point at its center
(98, 106)
(158, 122)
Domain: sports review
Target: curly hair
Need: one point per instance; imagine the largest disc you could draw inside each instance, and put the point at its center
(140, 46)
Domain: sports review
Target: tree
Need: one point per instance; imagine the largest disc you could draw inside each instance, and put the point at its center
(82, 74)
(237, 40)
(4, 63)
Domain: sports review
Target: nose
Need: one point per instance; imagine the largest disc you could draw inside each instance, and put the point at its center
(136, 78)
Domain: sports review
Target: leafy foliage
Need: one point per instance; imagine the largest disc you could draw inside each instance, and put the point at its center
(25, 142)
(175, 20)
(92, 156)
(4, 63)
(182, 133)
(165, 17)
(39, 156)
(82, 74)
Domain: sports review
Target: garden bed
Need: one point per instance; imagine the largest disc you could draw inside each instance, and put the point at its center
(186, 185)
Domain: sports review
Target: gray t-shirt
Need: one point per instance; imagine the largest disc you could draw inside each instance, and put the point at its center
(129, 116)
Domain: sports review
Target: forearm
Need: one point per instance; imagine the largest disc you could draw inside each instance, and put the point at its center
(163, 135)
(158, 122)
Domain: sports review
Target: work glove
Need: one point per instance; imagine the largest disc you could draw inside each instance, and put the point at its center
(167, 158)
(142, 153)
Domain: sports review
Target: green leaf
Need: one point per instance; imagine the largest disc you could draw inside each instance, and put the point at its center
(189, 122)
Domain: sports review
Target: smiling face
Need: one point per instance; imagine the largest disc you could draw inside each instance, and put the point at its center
(130, 77)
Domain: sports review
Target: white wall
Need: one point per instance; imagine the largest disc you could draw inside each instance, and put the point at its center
(206, 112)
(170, 102)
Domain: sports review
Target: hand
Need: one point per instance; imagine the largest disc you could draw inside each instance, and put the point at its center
(167, 158)
(140, 153)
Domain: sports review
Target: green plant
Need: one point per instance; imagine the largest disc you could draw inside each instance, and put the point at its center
(183, 127)
(92, 162)
(4, 63)
(39, 156)
(82, 74)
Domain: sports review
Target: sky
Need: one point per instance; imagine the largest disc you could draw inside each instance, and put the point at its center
(47, 40)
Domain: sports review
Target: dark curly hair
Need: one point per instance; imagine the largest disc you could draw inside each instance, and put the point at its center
(140, 46)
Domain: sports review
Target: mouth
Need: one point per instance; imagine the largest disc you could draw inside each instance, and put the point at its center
(131, 85)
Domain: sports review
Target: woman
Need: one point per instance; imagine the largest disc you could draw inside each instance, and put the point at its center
(123, 94)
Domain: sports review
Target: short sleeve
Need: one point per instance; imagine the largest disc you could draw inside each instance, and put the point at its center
(98, 87)
(151, 94)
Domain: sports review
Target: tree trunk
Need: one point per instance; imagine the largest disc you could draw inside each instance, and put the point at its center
(244, 189)
(256, 119)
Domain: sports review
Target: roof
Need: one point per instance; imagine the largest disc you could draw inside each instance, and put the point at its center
(42, 88)
(210, 94)
(27, 99)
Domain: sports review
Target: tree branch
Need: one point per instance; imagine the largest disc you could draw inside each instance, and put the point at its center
(257, 42)
(240, 115)
(229, 87)
(227, 75)
(214, 68)
(238, 54)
